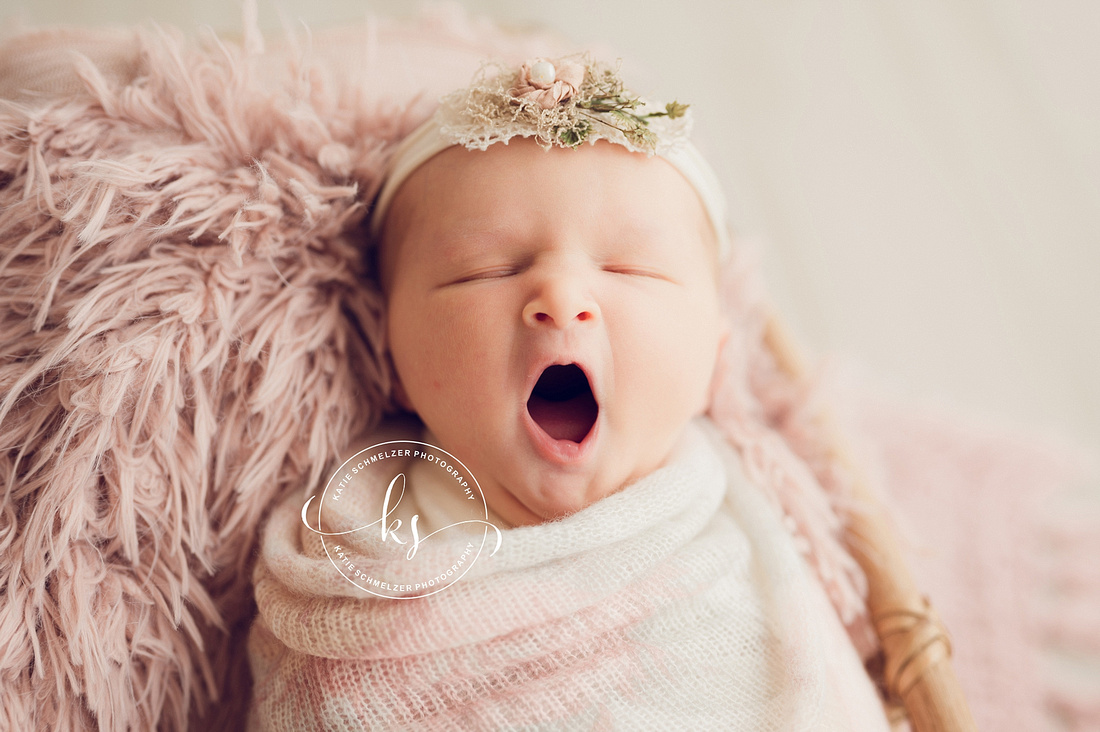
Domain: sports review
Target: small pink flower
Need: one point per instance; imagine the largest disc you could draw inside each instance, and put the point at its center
(546, 83)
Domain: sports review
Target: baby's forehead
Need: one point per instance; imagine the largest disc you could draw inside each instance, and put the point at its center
(473, 208)
(603, 183)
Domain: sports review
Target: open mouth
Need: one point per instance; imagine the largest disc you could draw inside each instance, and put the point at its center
(562, 404)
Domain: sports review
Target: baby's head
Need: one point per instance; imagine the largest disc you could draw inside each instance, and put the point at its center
(552, 314)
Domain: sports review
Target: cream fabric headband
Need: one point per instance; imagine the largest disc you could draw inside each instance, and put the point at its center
(561, 103)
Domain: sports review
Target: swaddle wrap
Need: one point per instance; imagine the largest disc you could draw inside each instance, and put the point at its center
(679, 602)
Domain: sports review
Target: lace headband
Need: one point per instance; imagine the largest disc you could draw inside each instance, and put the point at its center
(562, 103)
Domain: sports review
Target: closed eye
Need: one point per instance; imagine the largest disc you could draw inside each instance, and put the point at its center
(489, 273)
(635, 271)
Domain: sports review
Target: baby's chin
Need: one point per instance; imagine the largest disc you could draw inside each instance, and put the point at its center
(548, 498)
(519, 509)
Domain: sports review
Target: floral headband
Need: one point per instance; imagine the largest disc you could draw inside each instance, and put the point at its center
(561, 103)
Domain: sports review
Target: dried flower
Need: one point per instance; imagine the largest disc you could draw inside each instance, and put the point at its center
(675, 110)
(546, 83)
(561, 102)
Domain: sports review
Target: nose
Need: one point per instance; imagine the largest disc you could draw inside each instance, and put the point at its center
(560, 300)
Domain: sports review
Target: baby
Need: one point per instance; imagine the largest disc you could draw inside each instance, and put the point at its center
(549, 250)
(553, 316)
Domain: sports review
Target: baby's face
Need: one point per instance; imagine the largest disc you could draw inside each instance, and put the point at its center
(553, 316)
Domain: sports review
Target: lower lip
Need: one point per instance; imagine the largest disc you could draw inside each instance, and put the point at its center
(561, 452)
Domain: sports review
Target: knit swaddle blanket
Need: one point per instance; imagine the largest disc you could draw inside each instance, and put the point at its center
(679, 602)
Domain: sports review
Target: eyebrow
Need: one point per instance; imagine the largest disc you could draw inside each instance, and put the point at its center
(454, 243)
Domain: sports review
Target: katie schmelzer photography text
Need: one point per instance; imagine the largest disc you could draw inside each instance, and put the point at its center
(379, 476)
(432, 457)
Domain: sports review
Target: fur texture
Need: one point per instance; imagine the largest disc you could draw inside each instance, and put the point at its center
(185, 336)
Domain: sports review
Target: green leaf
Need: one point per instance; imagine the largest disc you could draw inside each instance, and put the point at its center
(575, 135)
(675, 110)
(642, 137)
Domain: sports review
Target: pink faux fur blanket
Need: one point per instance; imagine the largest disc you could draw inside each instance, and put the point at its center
(186, 338)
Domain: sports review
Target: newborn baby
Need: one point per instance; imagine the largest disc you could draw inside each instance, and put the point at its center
(553, 316)
(549, 250)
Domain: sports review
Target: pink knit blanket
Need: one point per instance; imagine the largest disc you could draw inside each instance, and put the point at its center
(679, 602)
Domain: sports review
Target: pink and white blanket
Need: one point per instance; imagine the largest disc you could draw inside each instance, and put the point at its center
(679, 602)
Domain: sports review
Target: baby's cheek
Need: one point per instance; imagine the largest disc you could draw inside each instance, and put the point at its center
(469, 341)
(697, 353)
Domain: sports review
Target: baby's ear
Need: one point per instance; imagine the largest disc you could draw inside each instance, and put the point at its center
(398, 395)
(721, 363)
(724, 331)
(401, 398)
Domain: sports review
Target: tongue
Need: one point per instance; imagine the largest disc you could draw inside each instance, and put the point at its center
(570, 419)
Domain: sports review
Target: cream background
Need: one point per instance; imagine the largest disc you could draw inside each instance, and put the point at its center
(925, 176)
